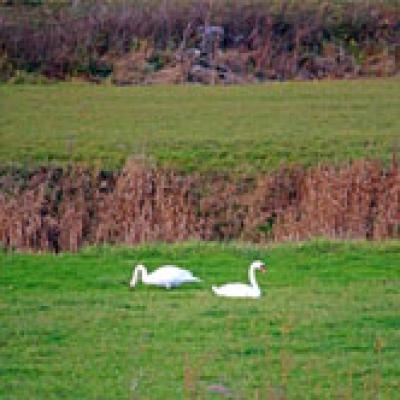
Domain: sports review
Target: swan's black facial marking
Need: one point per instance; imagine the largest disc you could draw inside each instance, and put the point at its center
(260, 266)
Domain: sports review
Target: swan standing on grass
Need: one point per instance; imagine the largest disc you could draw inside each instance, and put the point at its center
(167, 276)
(240, 289)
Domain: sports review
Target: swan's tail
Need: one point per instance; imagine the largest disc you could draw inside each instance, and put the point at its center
(196, 279)
(214, 289)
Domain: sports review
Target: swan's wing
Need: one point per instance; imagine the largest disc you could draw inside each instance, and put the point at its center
(238, 290)
(234, 286)
(234, 290)
(175, 272)
(171, 275)
(166, 270)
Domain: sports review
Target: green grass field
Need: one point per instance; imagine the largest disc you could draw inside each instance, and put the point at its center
(327, 326)
(201, 128)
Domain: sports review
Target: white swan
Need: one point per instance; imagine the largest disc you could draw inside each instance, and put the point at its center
(167, 276)
(240, 289)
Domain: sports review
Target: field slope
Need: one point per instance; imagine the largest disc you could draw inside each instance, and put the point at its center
(327, 326)
(206, 128)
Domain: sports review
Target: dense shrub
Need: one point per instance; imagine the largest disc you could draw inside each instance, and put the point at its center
(260, 40)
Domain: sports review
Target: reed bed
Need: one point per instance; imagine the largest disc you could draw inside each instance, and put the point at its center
(55, 209)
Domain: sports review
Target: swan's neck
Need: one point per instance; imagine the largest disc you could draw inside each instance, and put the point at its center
(252, 278)
(139, 270)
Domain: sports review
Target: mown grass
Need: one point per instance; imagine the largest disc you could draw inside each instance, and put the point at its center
(201, 128)
(326, 327)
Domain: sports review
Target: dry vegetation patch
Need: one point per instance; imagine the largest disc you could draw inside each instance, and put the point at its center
(200, 40)
(62, 209)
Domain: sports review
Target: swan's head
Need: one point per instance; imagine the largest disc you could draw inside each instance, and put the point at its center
(259, 265)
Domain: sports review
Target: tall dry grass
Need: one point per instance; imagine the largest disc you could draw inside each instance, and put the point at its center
(54, 209)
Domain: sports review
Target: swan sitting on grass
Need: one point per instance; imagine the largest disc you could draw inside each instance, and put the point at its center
(242, 290)
(167, 276)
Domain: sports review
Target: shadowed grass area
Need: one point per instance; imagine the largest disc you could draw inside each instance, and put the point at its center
(326, 327)
(201, 128)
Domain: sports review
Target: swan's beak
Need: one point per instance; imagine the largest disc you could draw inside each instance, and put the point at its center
(263, 269)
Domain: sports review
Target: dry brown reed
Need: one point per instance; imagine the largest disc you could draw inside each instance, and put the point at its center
(148, 205)
(360, 200)
(54, 209)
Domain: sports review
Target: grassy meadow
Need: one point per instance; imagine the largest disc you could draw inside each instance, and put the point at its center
(327, 326)
(200, 128)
